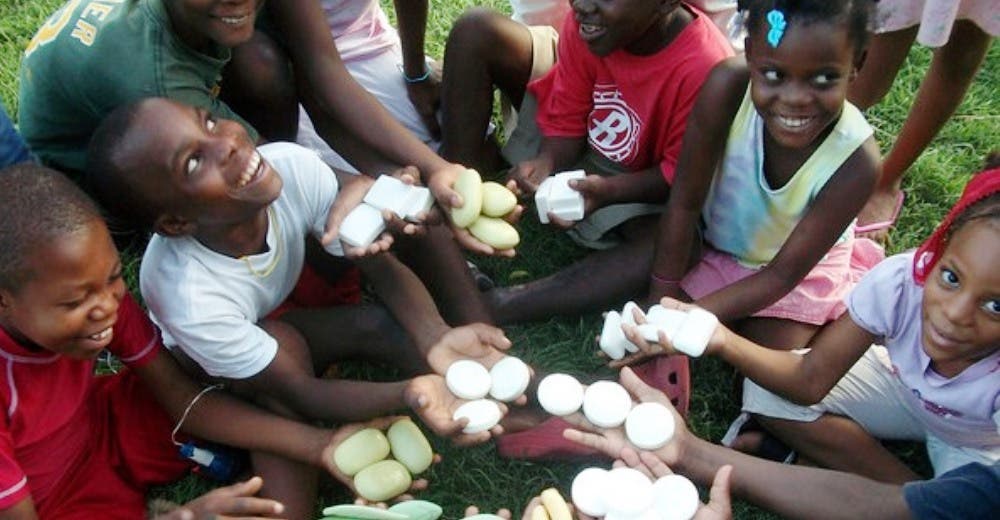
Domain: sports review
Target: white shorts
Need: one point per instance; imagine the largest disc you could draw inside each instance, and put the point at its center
(872, 397)
(380, 75)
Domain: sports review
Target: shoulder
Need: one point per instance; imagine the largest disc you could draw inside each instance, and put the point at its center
(886, 301)
(853, 127)
(969, 491)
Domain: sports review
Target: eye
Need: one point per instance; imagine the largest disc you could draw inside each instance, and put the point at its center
(771, 75)
(73, 304)
(210, 123)
(192, 164)
(992, 307)
(949, 278)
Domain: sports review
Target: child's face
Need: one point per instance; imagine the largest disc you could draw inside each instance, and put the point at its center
(800, 86)
(207, 170)
(71, 304)
(227, 23)
(961, 305)
(607, 25)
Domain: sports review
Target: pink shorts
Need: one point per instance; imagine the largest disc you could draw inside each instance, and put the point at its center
(817, 299)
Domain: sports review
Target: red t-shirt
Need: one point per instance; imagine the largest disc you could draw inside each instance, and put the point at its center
(51, 420)
(633, 109)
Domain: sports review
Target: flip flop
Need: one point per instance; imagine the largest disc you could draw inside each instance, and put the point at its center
(884, 224)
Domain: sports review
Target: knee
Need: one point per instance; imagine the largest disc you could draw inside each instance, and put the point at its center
(262, 72)
(477, 32)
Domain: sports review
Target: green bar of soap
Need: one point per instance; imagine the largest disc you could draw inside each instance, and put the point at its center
(360, 450)
(483, 517)
(362, 513)
(382, 481)
(418, 510)
(409, 446)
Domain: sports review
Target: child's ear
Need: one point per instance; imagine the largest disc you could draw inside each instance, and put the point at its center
(173, 225)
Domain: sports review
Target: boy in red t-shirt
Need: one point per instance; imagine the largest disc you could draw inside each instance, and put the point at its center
(617, 101)
(74, 445)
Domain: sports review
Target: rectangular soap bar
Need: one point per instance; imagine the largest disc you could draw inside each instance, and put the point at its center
(418, 200)
(542, 199)
(693, 335)
(388, 193)
(564, 201)
(361, 226)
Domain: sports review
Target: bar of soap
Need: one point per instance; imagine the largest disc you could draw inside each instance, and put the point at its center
(676, 498)
(495, 232)
(469, 186)
(509, 379)
(629, 493)
(560, 394)
(468, 379)
(613, 339)
(363, 448)
(606, 404)
(667, 319)
(409, 446)
(362, 512)
(649, 426)
(361, 226)
(542, 199)
(694, 334)
(565, 202)
(539, 513)
(483, 516)
(382, 481)
(497, 200)
(388, 193)
(482, 414)
(588, 491)
(418, 200)
(555, 505)
(628, 317)
(418, 510)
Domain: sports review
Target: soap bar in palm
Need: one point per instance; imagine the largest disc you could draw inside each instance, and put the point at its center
(382, 481)
(360, 450)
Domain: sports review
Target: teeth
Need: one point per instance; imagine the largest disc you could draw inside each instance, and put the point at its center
(104, 334)
(794, 122)
(234, 20)
(589, 28)
(250, 170)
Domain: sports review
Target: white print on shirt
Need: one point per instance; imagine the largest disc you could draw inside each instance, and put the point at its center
(614, 126)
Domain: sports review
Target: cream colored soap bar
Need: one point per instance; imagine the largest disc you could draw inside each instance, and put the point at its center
(409, 446)
(382, 481)
(357, 512)
(360, 450)
(470, 187)
(495, 232)
(556, 505)
(418, 510)
(497, 200)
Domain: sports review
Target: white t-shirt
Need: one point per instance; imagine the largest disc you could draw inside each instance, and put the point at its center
(962, 410)
(208, 303)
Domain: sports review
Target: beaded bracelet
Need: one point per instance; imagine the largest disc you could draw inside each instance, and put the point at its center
(666, 281)
(418, 79)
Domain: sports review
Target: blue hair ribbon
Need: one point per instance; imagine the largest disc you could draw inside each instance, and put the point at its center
(776, 19)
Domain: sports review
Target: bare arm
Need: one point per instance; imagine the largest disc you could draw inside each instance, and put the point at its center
(835, 206)
(704, 144)
(23, 510)
(555, 154)
(425, 94)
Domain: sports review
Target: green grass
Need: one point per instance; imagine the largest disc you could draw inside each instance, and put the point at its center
(476, 475)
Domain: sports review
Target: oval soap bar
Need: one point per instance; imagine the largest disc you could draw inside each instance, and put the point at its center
(676, 498)
(509, 379)
(382, 481)
(555, 505)
(649, 426)
(418, 510)
(606, 404)
(560, 394)
(495, 232)
(470, 187)
(468, 379)
(409, 446)
(361, 449)
(497, 200)
(483, 414)
(588, 491)
(362, 512)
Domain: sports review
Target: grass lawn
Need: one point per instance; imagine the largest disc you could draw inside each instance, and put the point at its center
(476, 475)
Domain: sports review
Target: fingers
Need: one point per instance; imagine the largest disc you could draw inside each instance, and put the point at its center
(515, 214)
(492, 336)
(467, 241)
(656, 466)
(640, 389)
(560, 223)
(719, 497)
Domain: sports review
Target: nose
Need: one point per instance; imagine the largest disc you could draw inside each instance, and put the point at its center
(583, 6)
(795, 93)
(108, 301)
(225, 143)
(960, 310)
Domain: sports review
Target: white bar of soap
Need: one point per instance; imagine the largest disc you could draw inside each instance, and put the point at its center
(361, 226)
(628, 316)
(667, 319)
(676, 498)
(509, 379)
(649, 426)
(468, 379)
(693, 335)
(388, 193)
(563, 201)
(588, 491)
(542, 199)
(482, 414)
(418, 200)
(613, 340)
(560, 394)
(629, 493)
(606, 404)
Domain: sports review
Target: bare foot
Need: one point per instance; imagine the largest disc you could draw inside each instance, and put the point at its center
(880, 213)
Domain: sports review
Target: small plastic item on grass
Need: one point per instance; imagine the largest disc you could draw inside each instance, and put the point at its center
(362, 226)
(360, 512)
(482, 414)
(560, 394)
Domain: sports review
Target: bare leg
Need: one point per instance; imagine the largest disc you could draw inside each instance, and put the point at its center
(777, 333)
(258, 85)
(839, 443)
(886, 55)
(485, 48)
(601, 279)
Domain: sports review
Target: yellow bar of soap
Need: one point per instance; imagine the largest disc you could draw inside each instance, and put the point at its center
(555, 505)
(362, 449)
(539, 513)
(495, 232)
(470, 186)
(497, 200)
(382, 481)
(409, 446)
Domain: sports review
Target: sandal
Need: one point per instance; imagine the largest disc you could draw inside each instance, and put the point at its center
(884, 224)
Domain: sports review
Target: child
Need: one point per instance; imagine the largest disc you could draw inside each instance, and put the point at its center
(775, 167)
(937, 310)
(960, 32)
(12, 147)
(231, 221)
(616, 102)
(79, 446)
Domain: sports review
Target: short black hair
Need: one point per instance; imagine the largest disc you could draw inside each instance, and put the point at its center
(107, 175)
(37, 206)
(855, 13)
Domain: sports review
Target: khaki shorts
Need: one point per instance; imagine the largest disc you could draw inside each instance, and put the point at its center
(544, 42)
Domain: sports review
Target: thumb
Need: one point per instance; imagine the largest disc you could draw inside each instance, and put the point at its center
(492, 336)
(719, 500)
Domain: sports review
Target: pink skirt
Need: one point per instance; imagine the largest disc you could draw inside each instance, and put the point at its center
(819, 297)
(936, 17)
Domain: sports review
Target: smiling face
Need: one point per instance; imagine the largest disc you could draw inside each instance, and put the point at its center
(638, 26)
(70, 305)
(193, 166)
(227, 23)
(799, 87)
(961, 304)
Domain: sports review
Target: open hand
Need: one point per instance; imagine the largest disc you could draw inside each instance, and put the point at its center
(525, 177)
(429, 397)
(479, 342)
(235, 501)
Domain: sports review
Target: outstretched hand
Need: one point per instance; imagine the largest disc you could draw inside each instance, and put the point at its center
(429, 397)
(719, 506)
(442, 184)
(525, 177)
(479, 342)
(235, 501)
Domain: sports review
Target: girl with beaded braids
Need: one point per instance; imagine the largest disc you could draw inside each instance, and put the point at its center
(774, 168)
